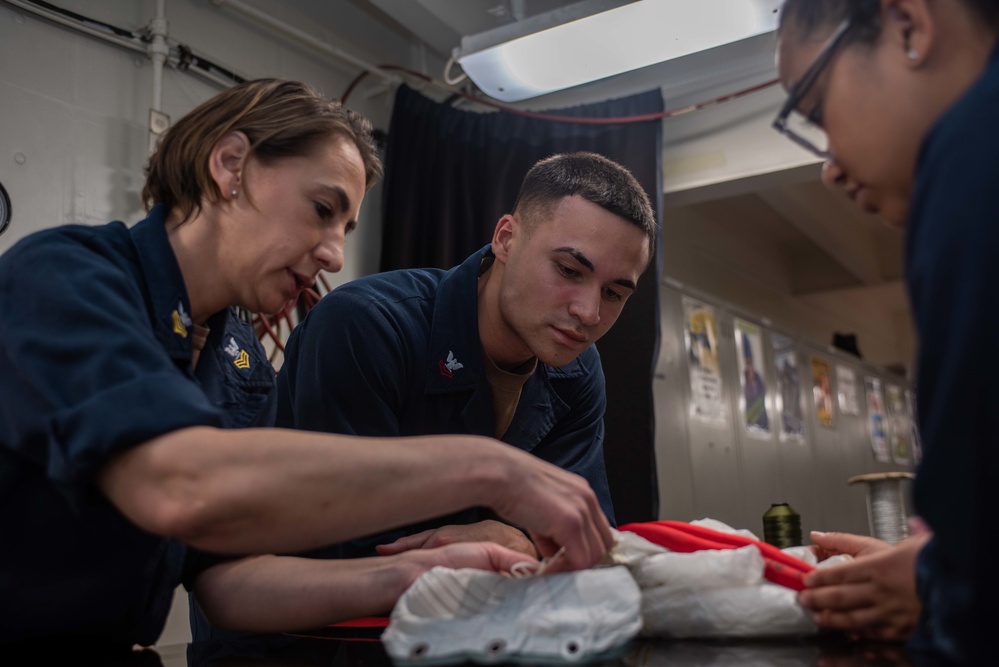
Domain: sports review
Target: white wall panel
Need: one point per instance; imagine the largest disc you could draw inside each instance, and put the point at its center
(720, 471)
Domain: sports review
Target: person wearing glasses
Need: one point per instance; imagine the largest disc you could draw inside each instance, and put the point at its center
(900, 98)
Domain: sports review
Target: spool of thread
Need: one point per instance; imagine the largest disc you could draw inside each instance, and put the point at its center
(782, 526)
(885, 504)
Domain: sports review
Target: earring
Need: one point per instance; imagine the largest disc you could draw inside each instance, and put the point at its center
(912, 54)
(234, 193)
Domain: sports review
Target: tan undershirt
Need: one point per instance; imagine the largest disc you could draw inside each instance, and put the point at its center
(199, 335)
(507, 386)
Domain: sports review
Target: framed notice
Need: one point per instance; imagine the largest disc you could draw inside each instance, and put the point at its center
(753, 400)
(700, 336)
(789, 403)
(876, 421)
(899, 430)
(822, 392)
(846, 390)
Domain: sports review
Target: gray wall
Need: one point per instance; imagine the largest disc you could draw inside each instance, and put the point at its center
(721, 471)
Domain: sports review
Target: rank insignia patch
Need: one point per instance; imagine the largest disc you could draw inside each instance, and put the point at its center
(181, 320)
(240, 357)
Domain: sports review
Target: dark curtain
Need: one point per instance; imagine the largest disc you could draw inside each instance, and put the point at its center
(449, 177)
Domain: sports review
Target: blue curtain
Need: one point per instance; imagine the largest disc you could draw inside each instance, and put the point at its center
(451, 174)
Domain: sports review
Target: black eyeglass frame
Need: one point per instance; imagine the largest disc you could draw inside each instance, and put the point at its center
(805, 83)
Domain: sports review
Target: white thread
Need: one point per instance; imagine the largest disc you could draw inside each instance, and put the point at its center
(528, 569)
(886, 510)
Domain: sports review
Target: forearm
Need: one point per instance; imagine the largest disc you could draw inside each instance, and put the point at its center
(280, 594)
(276, 490)
(284, 593)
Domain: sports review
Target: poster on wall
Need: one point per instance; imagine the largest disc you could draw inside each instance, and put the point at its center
(876, 420)
(822, 392)
(917, 443)
(792, 416)
(898, 424)
(846, 389)
(753, 402)
(701, 338)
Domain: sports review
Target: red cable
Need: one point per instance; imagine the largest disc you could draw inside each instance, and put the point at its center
(778, 567)
(264, 320)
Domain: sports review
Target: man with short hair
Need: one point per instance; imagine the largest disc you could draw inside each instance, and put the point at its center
(501, 345)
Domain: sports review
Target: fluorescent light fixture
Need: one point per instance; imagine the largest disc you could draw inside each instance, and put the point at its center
(587, 41)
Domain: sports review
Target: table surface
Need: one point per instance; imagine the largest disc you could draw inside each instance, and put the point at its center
(828, 651)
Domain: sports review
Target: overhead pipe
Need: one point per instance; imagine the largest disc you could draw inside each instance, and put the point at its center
(135, 44)
(241, 7)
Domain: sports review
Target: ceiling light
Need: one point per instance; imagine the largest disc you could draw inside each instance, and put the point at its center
(587, 41)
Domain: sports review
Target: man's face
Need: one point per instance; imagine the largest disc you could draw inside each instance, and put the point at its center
(564, 280)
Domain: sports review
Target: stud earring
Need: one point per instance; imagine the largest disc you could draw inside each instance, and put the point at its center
(912, 54)
(234, 193)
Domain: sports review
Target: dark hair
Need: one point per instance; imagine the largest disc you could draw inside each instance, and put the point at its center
(594, 178)
(808, 17)
(280, 118)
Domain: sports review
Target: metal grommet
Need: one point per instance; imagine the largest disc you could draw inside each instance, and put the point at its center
(572, 649)
(418, 651)
(495, 647)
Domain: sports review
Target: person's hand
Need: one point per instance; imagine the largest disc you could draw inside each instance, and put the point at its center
(874, 595)
(483, 531)
(477, 555)
(557, 508)
(827, 545)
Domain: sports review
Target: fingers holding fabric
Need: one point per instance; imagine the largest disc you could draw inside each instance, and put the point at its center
(557, 508)
(482, 531)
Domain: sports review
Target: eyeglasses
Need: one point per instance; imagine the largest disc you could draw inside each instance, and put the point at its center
(792, 123)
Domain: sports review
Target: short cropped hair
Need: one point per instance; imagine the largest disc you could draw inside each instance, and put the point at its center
(591, 176)
(280, 118)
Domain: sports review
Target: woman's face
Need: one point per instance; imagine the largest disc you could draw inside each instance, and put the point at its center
(289, 222)
(859, 100)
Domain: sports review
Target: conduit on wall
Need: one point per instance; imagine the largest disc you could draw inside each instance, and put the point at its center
(175, 55)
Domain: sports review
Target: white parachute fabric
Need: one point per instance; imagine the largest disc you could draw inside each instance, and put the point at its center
(711, 593)
(640, 588)
(452, 615)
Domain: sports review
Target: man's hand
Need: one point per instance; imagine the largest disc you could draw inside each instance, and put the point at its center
(477, 555)
(483, 531)
(874, 595)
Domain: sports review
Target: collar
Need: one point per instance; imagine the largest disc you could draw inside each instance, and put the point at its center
(455, 353)
(164, 284)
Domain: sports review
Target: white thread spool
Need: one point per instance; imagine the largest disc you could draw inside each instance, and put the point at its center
(885, 504)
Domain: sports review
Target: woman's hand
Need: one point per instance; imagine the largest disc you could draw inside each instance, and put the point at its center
(874, 595)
